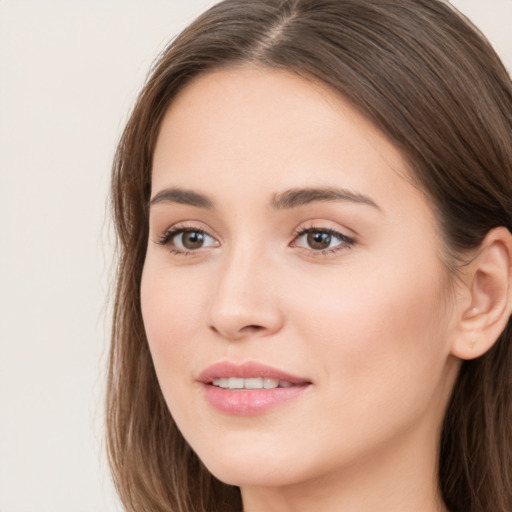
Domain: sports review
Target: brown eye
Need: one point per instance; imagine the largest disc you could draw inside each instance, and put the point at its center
(322, 240)
(319, 240)
(185, 240)
(192, 239)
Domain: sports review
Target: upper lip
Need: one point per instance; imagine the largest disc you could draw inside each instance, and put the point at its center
(251, 369)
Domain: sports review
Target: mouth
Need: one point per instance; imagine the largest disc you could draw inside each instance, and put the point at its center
(249, 375)
(251, 383)
(250, 388)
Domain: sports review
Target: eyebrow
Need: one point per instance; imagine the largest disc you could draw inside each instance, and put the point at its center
(288, 199)
(302, 196)
(182, 196)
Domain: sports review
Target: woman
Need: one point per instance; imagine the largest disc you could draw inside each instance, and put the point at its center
(313, 207)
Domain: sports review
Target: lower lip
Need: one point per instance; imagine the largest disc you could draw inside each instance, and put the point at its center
(244, 402)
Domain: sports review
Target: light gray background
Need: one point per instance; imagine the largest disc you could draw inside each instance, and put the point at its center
(69, 72)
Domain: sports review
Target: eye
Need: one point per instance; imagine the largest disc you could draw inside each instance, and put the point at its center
(184, 240)
(322, 240)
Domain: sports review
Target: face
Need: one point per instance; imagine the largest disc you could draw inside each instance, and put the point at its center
(287, 253)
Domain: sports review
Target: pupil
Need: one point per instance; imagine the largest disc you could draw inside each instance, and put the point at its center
(319, 240)
(193, 240)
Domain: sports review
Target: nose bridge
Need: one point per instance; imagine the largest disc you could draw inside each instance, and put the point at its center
(244, 299)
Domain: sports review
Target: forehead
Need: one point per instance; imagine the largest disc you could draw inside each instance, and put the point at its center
(253, 131)
(260, 103)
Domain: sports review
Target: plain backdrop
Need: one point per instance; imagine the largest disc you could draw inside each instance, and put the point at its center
(69, 73)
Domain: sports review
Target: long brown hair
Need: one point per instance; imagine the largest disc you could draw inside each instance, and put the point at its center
(434, 86)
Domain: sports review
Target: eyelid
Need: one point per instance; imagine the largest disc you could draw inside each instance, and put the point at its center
(346, 241)
(166, 237)
(321, 226)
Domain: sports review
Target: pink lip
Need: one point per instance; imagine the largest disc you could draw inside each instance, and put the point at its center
(247, 370)
(242, 402)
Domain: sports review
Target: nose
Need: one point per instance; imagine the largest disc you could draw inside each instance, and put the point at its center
(245, 301)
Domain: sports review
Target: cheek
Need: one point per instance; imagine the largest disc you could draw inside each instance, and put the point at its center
(170, 315)
(170, 310)
(377, 334)
(377, 344)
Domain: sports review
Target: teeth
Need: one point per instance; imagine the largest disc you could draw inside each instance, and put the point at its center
(270, 383)
(236, 383)
(256, 383)
(250, 383)
(223, 383)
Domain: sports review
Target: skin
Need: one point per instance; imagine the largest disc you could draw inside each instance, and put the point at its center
(370, 324)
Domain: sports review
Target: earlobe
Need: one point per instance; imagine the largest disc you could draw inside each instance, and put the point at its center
(489, 281)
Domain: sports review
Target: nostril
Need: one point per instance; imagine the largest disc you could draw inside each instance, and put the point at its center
(238, 333)
(251, 328)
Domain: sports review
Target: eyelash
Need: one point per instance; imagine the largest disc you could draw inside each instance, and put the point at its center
(173, 232)
(346, 242)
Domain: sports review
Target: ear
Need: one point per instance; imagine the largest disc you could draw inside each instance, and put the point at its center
(488, 301)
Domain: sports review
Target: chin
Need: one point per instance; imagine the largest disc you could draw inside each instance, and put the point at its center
(258, 467)
(250, 475)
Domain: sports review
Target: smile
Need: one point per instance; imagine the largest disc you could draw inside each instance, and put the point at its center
(249, 389)
(251, 383)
